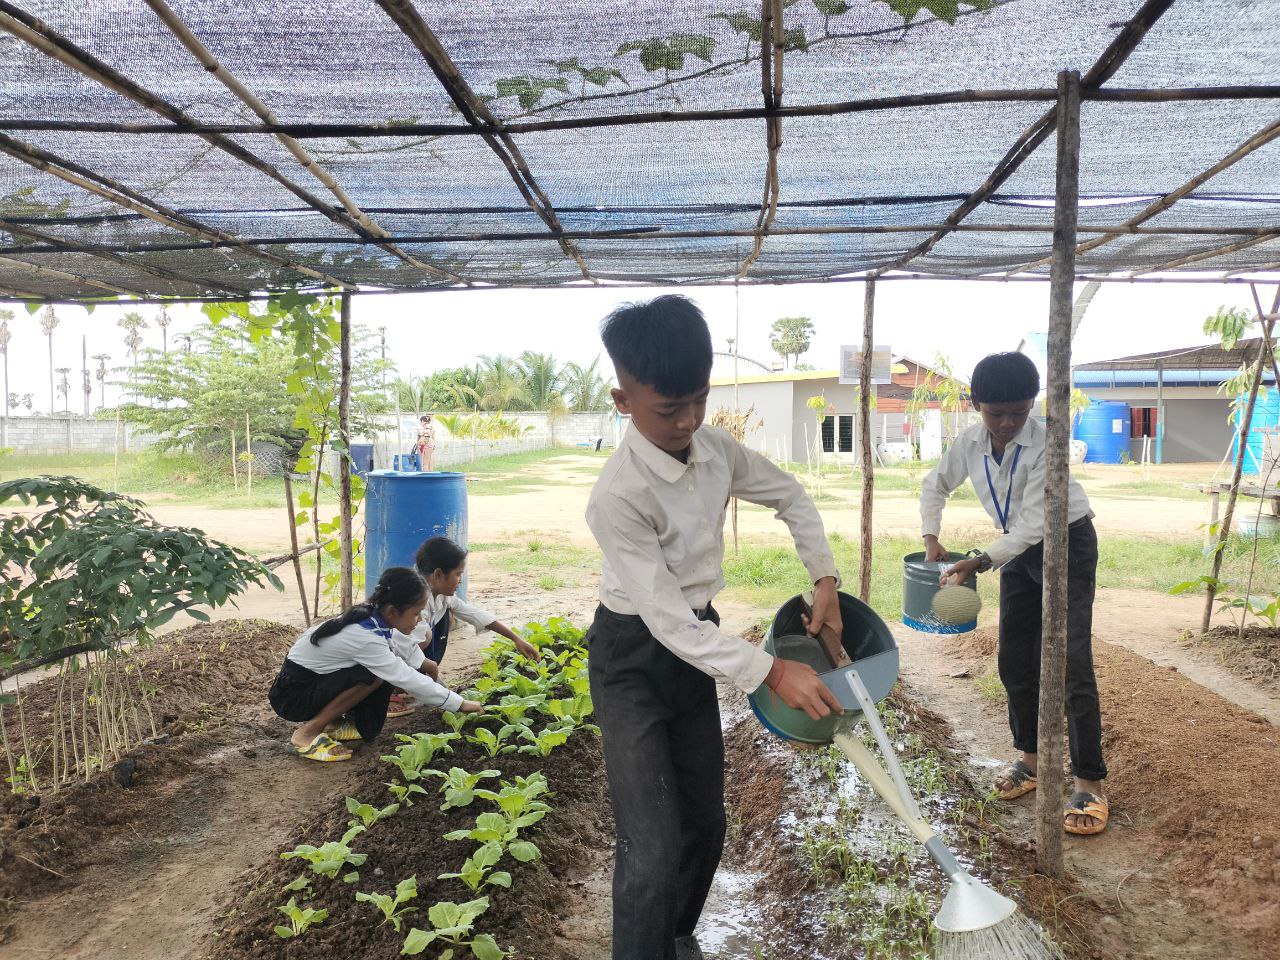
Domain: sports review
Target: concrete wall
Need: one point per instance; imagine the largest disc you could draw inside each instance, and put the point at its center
(73, 434)
(772, 403)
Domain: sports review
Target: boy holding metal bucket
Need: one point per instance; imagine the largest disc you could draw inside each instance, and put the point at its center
(1004, 458)
(657, 512)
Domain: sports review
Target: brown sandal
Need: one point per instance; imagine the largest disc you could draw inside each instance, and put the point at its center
(1085, 804)
(1021, 776)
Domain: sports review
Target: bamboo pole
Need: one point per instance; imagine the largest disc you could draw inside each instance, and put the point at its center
(1246, 422)
(406, 16)
(115, 192)
(373, 130)
(1201, 256)
(864, 416)
(344, 459)
(1053, 630)
(51, 274)
(293, 542)
(300, 153)
(248, 244)
(44, 38)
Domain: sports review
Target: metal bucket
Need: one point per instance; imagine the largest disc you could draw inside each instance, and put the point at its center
(919, 584)
(870, 646)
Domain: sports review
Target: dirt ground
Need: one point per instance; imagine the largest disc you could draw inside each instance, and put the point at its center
(1187, 869)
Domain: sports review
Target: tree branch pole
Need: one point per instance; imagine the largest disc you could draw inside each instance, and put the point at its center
(1053, 643)
(344, 458)
(1242, 448)
(864, 416)
(293, 542)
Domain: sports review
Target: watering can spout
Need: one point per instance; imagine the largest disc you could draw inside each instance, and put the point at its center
(969, 905)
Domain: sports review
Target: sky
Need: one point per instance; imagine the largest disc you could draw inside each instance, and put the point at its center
(963, 321)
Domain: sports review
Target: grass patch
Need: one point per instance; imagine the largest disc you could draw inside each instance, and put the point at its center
(514, 473)
(549, 581)
(551, 562)
(990, 687)
(1142, 490)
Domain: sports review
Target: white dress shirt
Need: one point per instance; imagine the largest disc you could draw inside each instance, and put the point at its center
(970, 458)
(439, 604)
(660, 525)
(387, 653)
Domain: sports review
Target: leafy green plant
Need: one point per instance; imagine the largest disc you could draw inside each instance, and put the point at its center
(459, 786)
(541, 744)
(391, 904)
(475, 872)
(454, 924)
(366, 814)
(300, 884)
(521, 797)
(329, 858)
(505, 831)
(403, 792)
(516, 708)
(495, 743)
(416, 751)
(300, 919)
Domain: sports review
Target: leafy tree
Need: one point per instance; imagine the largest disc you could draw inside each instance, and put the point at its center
(1228, 324)
(584, 388)
(542, 381)
(791, 337)
(501, 386)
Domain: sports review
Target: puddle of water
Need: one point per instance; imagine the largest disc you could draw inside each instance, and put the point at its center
(727, 929)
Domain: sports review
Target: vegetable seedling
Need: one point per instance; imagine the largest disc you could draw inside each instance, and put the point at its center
(515, 708)
(417, 751)
(300, 918)
(402, 792)
(367, 814)
(519, 798)
(543, 743)
(494, 743)
(453, 923)
(390, 904)
(475, 871)
(459, 787)
(327, 859)
(505, 831)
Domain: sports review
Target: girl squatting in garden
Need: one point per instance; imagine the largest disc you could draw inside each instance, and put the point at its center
(441, 562)
(337, 678)
(1004, 457)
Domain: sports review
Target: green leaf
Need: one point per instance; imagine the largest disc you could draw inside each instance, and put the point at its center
(485, 948)
(524, 851)
(417, 941)
(499, 879)
(284, 932)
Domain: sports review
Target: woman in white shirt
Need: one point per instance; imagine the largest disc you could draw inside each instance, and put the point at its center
(337, 678)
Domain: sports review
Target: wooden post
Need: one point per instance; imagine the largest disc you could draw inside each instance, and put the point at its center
(864, 411)
(1242, 447)
(344, 458)
(248, 453)
(1053, 644)
(293, 541)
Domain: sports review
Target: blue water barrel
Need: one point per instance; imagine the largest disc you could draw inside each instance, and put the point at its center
(1266, 416)
(404, 509)
(362, 457)
(1104, 426)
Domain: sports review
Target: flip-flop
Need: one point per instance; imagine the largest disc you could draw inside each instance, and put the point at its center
(324, 749)
(344, 731)
(399, 706)
(1022, 778)
(1085, 804)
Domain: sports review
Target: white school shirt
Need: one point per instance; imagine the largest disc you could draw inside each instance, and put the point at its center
(660, 525)
(439, 604)
(387, 653)
(969, 458)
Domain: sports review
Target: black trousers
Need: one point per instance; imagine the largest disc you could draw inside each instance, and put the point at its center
(1021, 605)
(298, 694)
(664, 756)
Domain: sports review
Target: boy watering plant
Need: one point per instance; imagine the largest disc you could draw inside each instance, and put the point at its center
(657, 512)
(1004, 457)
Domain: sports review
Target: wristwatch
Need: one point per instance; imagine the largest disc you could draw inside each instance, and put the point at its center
(984, 561)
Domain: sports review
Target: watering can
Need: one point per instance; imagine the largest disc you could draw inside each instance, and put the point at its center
(860, 668)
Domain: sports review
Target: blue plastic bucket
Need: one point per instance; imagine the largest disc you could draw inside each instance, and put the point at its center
(403, 509)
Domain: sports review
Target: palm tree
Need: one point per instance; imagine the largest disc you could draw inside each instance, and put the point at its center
(542, 379)
(101, 375)
(412, 393)
(584, 388)
(501, 385)
(162, 321)
(131, 323)
(64, 389)
(48, 321)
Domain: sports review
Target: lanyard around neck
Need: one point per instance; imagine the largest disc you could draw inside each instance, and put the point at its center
(1002, 515)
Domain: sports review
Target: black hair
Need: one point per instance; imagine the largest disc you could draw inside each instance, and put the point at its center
(1004, 378)
(398, 587)
(663, 343)
(439, 553)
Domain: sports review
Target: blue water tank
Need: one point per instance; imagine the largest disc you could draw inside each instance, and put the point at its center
(362, 458)
(1104, 426)
(1266, 417)
(404, 509)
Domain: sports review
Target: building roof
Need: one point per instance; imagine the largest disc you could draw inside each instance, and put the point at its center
(220, 150)
(1208, 356)
(782, 376)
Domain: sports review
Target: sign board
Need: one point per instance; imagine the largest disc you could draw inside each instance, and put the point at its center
(851, 364)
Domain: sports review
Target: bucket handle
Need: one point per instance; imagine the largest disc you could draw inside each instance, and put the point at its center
(882, 738)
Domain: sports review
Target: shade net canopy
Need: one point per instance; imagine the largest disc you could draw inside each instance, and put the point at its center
(134, 161)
